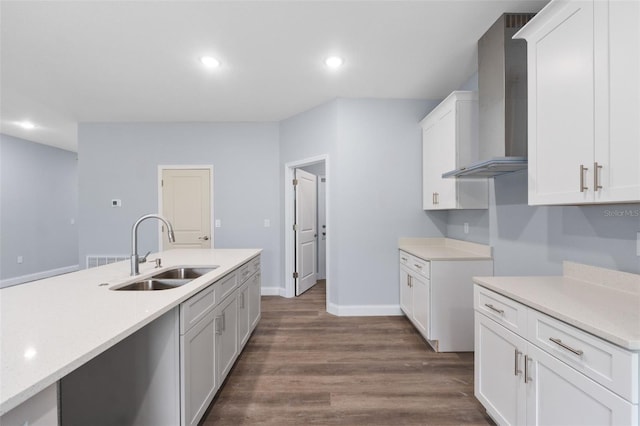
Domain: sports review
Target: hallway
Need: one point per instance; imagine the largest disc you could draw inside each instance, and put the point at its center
(304, 366)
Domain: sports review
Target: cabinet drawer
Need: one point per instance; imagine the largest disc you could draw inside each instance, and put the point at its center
(226, 285)
(611, 366)
(255, 265)
(244, 272)
(503, 310)
(196, 307)
(416, 264)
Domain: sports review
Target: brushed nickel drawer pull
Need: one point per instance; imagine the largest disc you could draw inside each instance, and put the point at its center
(404, 258)
(582, 170)
(417, 266)
(565, 346)
(596, 181)
(494, 309)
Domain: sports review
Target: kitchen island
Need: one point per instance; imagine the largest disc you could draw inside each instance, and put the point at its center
(51, 327)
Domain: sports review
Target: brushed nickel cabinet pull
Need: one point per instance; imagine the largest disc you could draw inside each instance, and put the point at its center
(596, 183)
(565, 346)
(516, 357)
(217, 325)
(494, 309)
(527, 379)
(582, 170)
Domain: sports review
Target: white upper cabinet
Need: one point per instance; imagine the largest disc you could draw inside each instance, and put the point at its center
(584, 102)
(449, 141)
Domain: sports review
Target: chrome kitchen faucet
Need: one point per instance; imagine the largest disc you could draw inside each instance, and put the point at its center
(135, 260)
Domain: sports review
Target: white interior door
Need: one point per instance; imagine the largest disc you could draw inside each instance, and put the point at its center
(305, 230)
(186, 203)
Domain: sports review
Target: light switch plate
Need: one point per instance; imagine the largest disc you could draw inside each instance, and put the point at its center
(218, 224)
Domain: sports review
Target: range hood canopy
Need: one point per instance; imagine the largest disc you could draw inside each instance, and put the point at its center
(502, 93)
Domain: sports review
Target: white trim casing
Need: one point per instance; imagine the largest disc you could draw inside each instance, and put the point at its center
(289, 170)
(162, 167)
(8, 282)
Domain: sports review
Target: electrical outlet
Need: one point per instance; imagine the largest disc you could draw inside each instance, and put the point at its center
(218, 223)
(267, 223)
(20, 259)
(466, 227)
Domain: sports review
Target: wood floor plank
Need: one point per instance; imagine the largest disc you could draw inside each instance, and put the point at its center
(303, 366)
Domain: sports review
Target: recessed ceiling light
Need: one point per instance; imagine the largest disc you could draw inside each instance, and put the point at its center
(210, 61)
(334, 62)
(27, 125)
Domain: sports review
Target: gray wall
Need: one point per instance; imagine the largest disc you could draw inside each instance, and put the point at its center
(534, 240)
(38, 201)
(374, 178)
(120, 160)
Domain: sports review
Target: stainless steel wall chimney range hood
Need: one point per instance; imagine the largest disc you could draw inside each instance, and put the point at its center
(502, 93)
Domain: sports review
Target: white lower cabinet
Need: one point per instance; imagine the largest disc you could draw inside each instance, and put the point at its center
(520, 383)
(437, 297)
(198, 369)
(215, 326)
(243, 313)
(226, 335)
(255, 293)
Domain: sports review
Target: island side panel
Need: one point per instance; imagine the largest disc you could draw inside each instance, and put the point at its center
(136, 382)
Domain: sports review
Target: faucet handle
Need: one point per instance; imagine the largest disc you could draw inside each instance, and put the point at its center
(143, 258)
(158, 263)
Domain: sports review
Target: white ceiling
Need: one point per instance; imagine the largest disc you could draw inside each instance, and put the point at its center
(65, 62)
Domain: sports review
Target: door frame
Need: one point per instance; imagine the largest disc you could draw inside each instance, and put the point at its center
(161, 168)
(289, 237)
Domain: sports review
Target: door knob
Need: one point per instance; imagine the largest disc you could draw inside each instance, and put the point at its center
(204, 238)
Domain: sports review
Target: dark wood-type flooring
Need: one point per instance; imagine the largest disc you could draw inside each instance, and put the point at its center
(303, 366)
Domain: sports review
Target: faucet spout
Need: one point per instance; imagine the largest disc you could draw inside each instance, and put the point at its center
(135, 260)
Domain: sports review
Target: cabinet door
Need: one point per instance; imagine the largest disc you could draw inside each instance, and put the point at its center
(558, 394)
(421, 304)
(243, 313)
(226, 335)
(439, 156)
(617, 142)
(430, 168)
(406, 296)
(198, 369)
(255, 293)
(499, 357)
(561, 106)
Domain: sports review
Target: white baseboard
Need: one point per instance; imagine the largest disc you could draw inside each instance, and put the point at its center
(272, 291)
(8, 282)
(364, 310)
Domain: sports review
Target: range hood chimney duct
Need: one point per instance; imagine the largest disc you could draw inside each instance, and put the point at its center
(502, 94)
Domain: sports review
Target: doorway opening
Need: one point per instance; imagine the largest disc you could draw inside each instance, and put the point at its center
(297, 248)
(185, 198)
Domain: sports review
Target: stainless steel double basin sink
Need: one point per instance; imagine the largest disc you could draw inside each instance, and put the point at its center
(168, 279)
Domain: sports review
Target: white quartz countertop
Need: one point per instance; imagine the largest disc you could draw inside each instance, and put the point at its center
(50, 327)
(444, 249)
(608, 308)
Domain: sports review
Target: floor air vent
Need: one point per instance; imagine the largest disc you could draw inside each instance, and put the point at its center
(93, 260)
